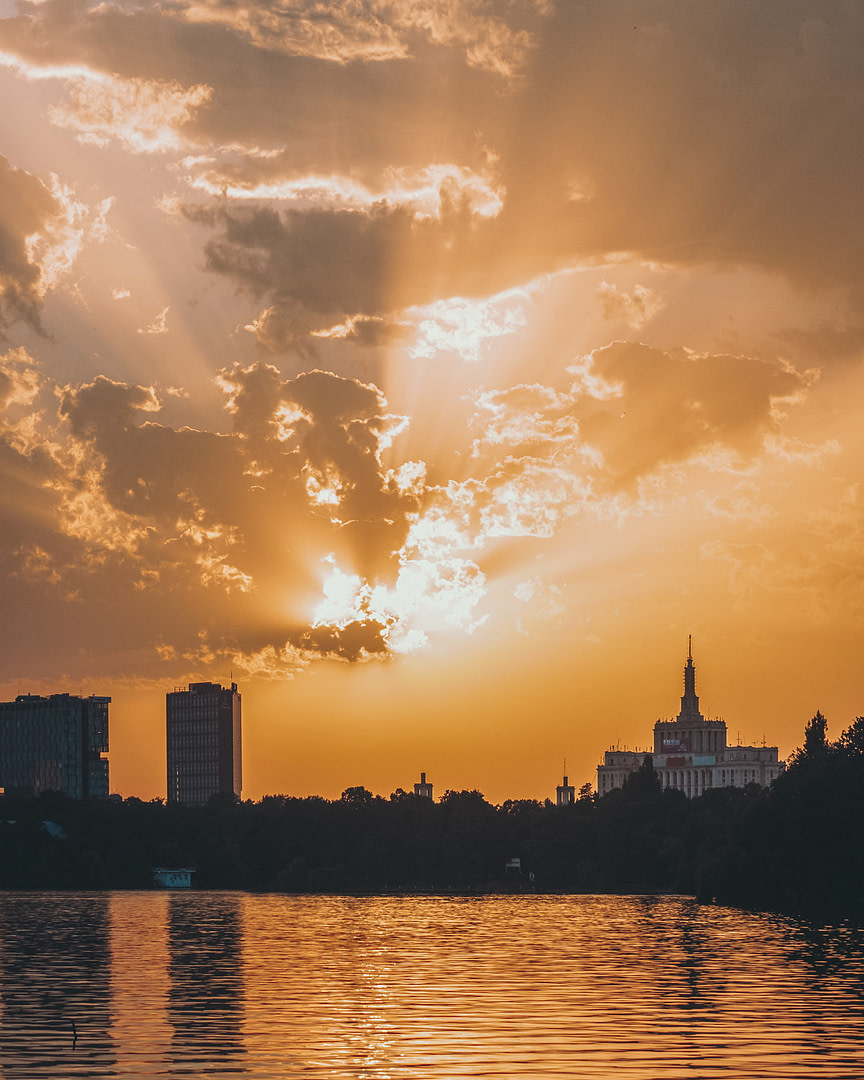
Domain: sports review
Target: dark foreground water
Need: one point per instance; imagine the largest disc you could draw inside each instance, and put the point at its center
(201, 984)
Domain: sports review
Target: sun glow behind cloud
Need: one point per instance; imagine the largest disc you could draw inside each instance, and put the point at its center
(484, 308)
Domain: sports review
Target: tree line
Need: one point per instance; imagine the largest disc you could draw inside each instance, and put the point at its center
(795, 846)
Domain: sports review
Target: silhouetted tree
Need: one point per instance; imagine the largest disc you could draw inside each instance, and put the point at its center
(359, 796)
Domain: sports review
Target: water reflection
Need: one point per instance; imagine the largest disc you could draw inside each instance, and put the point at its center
(206, 995)
(55, 986)
(274, 987)
(140, 1029)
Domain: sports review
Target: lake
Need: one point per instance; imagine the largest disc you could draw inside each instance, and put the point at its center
(275, 986)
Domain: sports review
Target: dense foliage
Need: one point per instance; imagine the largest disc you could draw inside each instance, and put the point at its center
(797, 846)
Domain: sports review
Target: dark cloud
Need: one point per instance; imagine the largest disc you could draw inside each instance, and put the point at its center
(696, 134)
(26, 207)
(133, 540)
(356, 641)
(374, 331)
(314, 268)
(311, 114)
(687, 134)
(334, 430)
(632, 410)
(826, 343)
(674, 405)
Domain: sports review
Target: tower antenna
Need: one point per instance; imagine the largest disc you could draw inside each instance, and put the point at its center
(689, 646)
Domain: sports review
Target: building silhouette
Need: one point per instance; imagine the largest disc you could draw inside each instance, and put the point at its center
(423, 789)
(565, 793)
(54, 743)
(691, 753)
(203, 742)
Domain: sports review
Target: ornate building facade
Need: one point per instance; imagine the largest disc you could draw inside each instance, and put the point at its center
(691, 754)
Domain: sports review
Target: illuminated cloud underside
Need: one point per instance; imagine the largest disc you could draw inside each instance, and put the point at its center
(232, 522)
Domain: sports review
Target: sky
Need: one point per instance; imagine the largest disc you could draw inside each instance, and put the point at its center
(433, 371)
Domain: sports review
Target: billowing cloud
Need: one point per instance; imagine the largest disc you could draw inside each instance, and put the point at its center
(688, 137)
(304, 533)
(108, 502)
(315, 267)
(43, 228)
(462, 325)
(27, 210)
(630, 414)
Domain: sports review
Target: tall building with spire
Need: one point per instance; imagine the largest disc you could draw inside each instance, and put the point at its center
(565, 794)
(424, 789)
(690, 753)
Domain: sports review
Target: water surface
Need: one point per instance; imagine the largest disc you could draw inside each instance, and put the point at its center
(271, 987)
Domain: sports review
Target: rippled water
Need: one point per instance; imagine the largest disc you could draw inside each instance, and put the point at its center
(198, 984)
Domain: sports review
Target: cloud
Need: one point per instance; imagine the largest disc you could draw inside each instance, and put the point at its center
(811, 572)
(27, 210)
(462, 325)
(675, 406)
(111, 510)
(313, 267)
(636, 308)
(358, 329)
(694, 137)
(540, 602)
(144, 116)
(619, 440)
(43, 229)
(704, 136)
(425, 192)
(374, 30)
(20, 380)
(304, 534)
(159, 324)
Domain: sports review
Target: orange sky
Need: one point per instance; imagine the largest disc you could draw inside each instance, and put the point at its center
(434, 370)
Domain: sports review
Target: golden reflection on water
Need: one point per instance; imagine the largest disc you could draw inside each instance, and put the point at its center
(521, 987)
(140, 984)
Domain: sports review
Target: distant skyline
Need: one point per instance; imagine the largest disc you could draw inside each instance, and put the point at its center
(432, 372)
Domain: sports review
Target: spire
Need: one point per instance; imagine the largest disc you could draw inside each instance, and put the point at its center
(690, 700)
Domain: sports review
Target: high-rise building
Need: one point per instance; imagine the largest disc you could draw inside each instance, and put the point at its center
(54, 743)
(691, 754)
(203, 738)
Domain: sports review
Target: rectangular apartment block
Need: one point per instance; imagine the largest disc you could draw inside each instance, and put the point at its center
(54, 743)
(203, 742)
